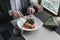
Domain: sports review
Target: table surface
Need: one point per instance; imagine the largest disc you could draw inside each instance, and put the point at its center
(40, 34)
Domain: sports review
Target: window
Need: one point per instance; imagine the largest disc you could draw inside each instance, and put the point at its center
(50, 5)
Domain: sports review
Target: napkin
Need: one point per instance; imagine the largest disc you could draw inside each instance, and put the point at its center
(22, 21)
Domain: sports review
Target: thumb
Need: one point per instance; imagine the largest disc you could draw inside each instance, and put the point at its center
(20, 14)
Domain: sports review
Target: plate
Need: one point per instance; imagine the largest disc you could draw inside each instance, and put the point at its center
(21, 21)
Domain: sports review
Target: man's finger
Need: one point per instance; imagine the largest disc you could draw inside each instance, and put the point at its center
(20, 14)
(33, 11)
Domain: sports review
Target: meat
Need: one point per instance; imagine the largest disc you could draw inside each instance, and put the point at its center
(29, 24)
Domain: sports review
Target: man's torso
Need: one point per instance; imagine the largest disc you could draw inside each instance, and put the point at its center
(5, 6)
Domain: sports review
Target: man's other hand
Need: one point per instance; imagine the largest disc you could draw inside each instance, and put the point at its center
(30, 10)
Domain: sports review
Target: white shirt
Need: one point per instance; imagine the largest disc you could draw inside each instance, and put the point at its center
(15, 4)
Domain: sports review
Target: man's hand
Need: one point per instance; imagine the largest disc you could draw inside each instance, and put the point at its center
(17, 14)
(30, 10)
(40, 8)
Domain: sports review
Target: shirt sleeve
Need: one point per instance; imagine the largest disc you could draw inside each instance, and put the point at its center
(34, 2)
(10, 12)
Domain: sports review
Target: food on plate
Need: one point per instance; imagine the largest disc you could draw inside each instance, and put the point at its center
(29, 24)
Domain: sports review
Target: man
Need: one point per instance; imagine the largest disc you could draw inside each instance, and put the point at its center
(18, 8)
(7, 5)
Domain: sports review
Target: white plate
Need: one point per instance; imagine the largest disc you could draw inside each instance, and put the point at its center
(21, 21)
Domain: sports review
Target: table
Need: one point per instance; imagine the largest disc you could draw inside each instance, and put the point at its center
(41, 34)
